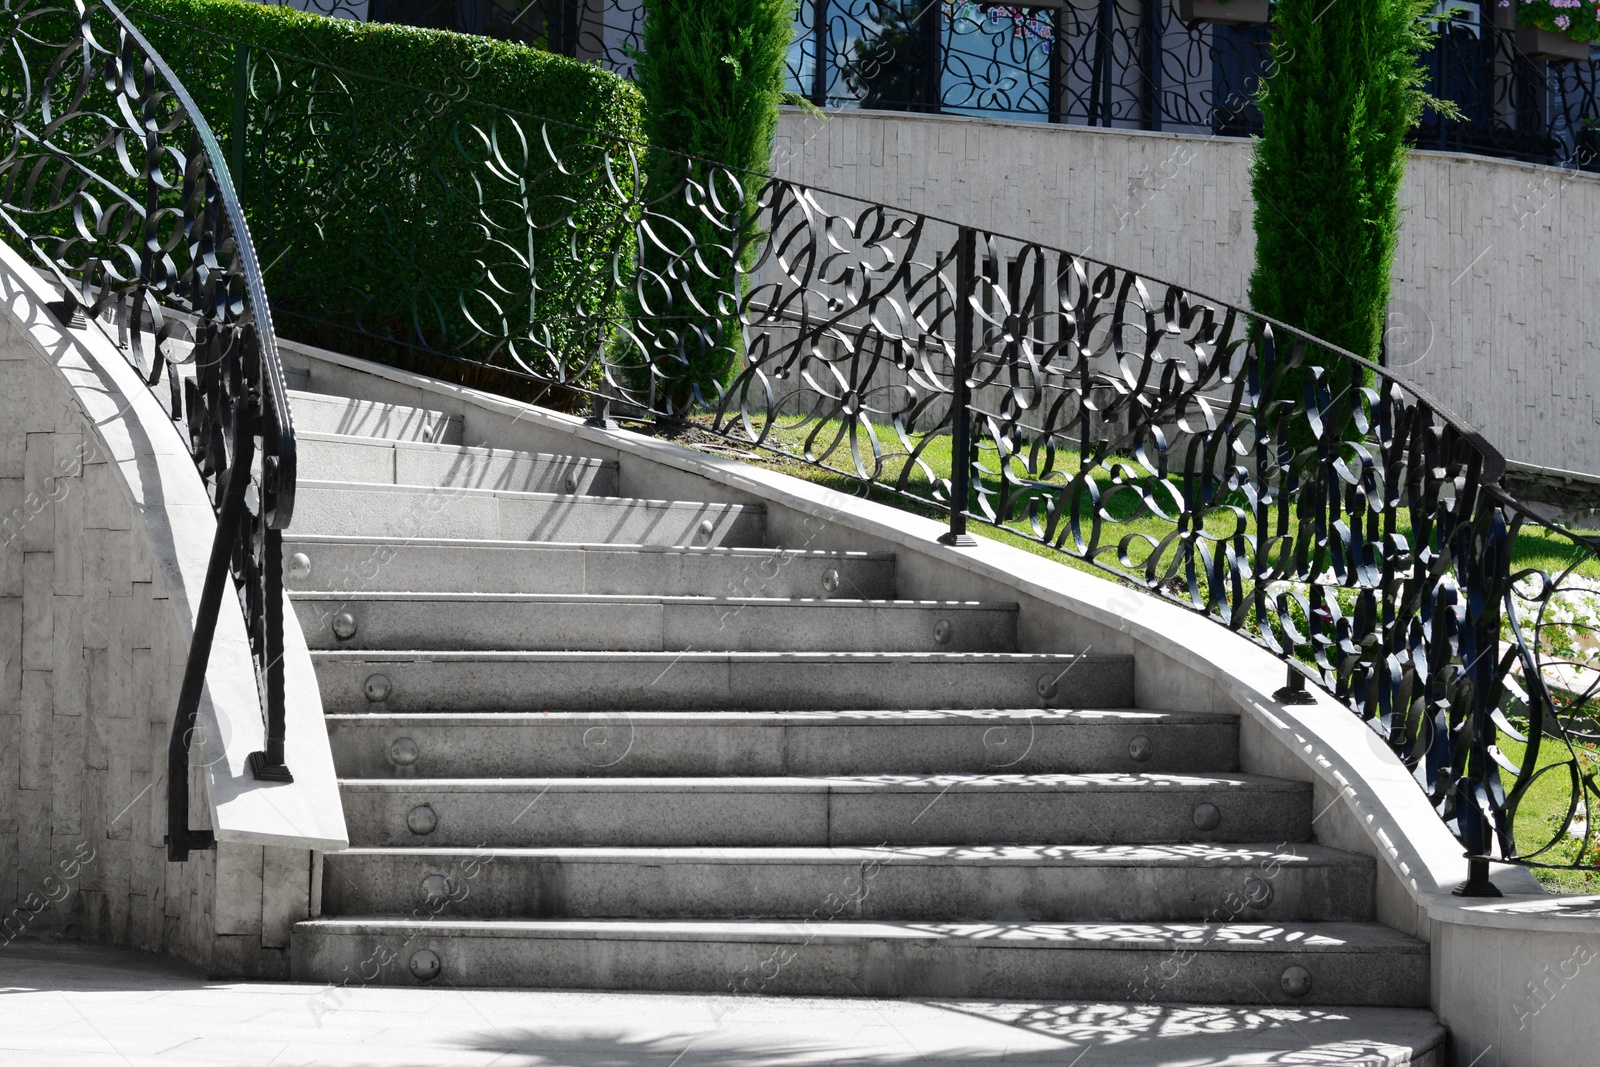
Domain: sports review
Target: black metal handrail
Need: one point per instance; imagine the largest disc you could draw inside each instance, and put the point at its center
(1314, 502)
(112, 183)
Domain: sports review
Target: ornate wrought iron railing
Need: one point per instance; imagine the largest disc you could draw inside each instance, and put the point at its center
(1315, 503)
(1130, 64)
(113, 185)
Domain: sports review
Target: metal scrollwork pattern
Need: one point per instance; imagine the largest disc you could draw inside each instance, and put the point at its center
(1307, 500)
(110, 184)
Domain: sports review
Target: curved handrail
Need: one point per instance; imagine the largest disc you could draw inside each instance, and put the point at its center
(114, 183)
(1306, 498)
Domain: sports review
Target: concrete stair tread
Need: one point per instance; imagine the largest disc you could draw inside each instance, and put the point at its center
(425, 596)
(1043, 659)
(292, 537)
(1194, 854)
(328, 413)
(979, 717)
(1135, 883)
(390, 461)
(935, 785)
(342, 486)
(443, 448)
(479, 565)
(752, 743)
(608, 622)
(419, 679)
(1311, 938)
(385, 508)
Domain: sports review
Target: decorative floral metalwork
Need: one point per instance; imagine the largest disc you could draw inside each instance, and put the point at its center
(1312, 502)
(111, 183)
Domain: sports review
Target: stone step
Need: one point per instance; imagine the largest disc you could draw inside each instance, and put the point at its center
(340, 457)
(387, 565)
(394, 682)
(323, 413)
(884, 809)
(753, 743)
(1225, 963)
(1055, 883)
(574, 622)
(401, 511)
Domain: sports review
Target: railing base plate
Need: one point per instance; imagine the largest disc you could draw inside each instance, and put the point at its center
(189, 841)
(263, 771)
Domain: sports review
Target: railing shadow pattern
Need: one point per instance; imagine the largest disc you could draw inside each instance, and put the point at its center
(112, 185)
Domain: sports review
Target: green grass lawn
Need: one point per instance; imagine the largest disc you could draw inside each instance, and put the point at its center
(1126, 514)
(1542, 812)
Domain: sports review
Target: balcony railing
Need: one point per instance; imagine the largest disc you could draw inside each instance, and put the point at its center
(1129, 64)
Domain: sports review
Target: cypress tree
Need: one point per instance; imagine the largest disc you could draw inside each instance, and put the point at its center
(1347, 90)
(712, 73)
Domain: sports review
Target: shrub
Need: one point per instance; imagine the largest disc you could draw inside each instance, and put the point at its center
(406, 201)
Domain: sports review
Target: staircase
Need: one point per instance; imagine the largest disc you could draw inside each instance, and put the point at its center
(598, 742)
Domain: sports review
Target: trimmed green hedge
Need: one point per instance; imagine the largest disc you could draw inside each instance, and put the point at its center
(404, 198)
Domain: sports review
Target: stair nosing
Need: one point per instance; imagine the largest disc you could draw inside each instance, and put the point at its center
(314, 484)
(674, 599)
(806, 718)
(291, 537)
(1345, 937)
(1213, 855)
(512, 656)
(568, 458)
(1142, 783)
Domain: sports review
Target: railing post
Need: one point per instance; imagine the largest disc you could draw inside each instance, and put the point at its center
(961, 392)
(932, 25)
(268, 765)
(819, 38)
(181, 839)
(1477, 883)
(1151, 75)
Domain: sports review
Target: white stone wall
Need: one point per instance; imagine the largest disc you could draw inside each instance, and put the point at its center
(1495, 301)
(92, 652)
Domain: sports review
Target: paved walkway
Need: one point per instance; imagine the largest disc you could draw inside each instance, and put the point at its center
(66, 1003)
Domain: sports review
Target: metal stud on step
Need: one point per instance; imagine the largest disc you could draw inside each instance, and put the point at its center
(943, 631)
(1257, 891)
(422, 820)
(299, 565)
(1047, 686)
(344, 626)
(1207, 816)
(403, 752)
(427, 433)
(572, 483)
(1296, 981)
(830, 581)
(377, 688)
(435, 888)
(1140, 749)
(707, 528)
(425, 965)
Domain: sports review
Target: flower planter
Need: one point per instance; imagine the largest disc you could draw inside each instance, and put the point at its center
(1234, 12)
(1550, 44)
